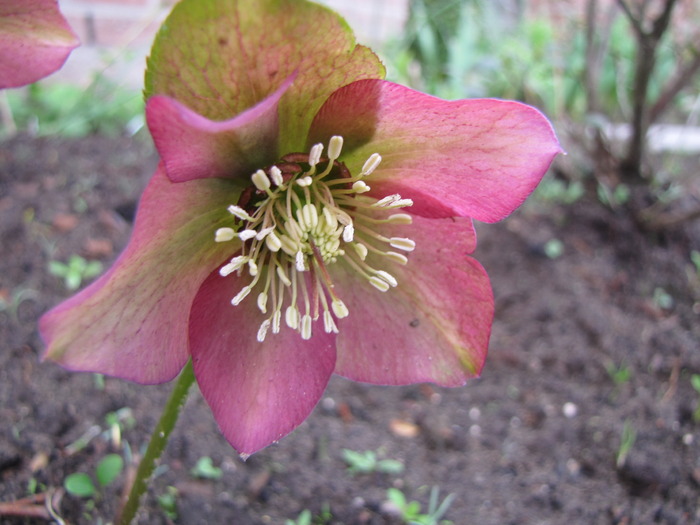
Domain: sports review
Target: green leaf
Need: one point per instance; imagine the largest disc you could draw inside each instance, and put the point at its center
(79, 484)
(109, 469)
(220, 58)
(205, 469)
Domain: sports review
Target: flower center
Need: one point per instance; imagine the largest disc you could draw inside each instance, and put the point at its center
(300, 216)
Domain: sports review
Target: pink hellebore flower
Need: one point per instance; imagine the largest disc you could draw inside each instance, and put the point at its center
(307, 218)
(35, 41)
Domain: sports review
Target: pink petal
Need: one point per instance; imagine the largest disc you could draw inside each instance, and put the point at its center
(258, 392)
(35, 41)
(474, 158)
(194, 147)
(132, 322)
(434, 326)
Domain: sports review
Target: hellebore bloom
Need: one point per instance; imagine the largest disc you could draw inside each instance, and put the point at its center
(35, 41)
(307, 218)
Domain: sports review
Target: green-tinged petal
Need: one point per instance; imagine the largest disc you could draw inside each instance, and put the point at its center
(433, 326)
(221, 57)
(133, 321)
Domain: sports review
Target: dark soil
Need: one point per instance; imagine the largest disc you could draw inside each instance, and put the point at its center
(581, 351)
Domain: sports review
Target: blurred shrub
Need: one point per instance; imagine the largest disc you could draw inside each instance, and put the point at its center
(69, 110)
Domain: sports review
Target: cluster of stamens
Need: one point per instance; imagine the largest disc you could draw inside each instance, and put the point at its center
(294, 221)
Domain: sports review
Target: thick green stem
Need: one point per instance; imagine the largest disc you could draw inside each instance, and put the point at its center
(156, 445)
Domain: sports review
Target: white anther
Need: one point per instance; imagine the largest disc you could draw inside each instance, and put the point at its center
(283, 276)
(289, 246)
(240, 296)
(224, 234)
(240, 213)
(335, 145)
(387, 277)
(272, 242)
(386, 201)
(400, 218)
(299, 261)
(315, 154)
(348, 233)
(400, 203)
(306, 326)
(262, 331)
(339, 308)
(360, 187)
(264, 233)
(276, 176)
(260, 180)
(291, 317)
(331, 221)
(262, 302)
(233, 265)
(246, 235)
(361, 250)
(379, 283)
(310, 214)
(401, 243)
(305, 181)
(397, 257)
(276, 320)
(371, 164)
(328, 323)
(252, 268)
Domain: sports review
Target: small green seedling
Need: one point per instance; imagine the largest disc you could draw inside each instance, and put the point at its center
(205, 469)
(303, 519)
(695, 381)
(410, 511)
(627, 439)
(81, 485)
(366, 462)
(168, 502)
(619, 374)
(117, 422)
(75, 271)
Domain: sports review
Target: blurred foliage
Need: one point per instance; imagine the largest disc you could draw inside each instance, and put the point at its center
(474, 48)
(69, 110)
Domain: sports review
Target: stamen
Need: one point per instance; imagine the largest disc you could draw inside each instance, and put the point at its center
(262, 302)
(371, 164)
(339, 308)
(291, 317)
(307, 225)
(262, 331)
(306, 327)
(360, 187)
(261, 181)
(240, 213)
(401, 243)
(379, 283)
(335, 145)
(348, 233)
(246, 235)
(361, 250)
(224, 234)
(315, 154)
(276, 176)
